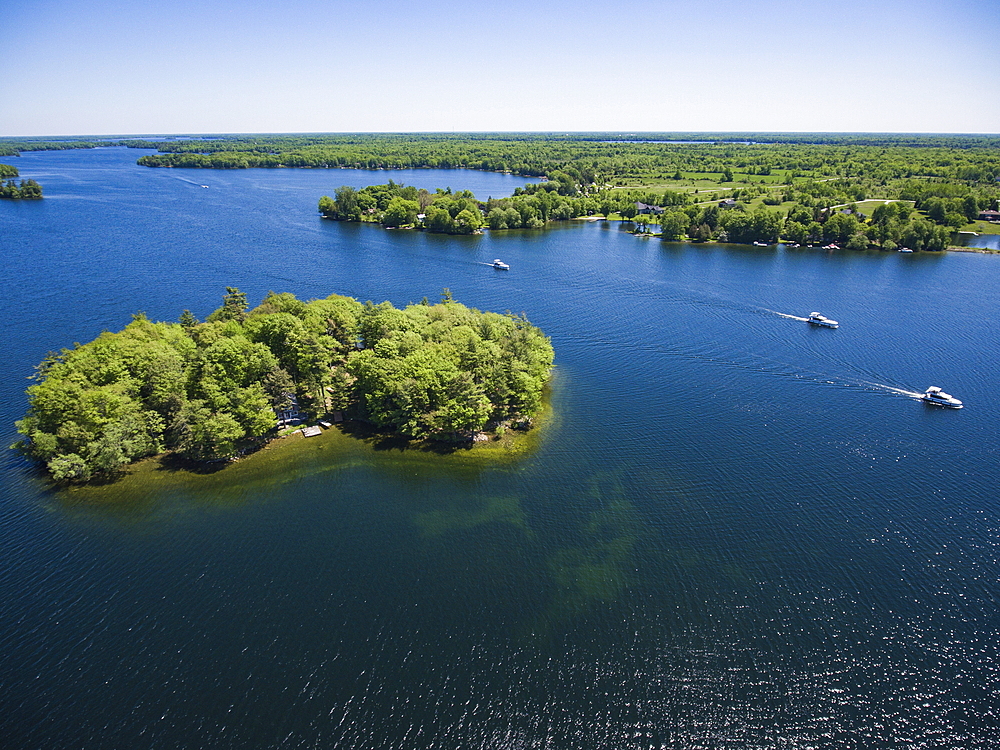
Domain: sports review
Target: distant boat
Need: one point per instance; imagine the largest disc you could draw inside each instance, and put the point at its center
(935, 395)
(758, 243)
(500, 265)
(905, 250)
(821, 320)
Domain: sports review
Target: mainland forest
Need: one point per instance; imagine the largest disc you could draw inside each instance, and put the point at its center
(208, 391)
(857, 190)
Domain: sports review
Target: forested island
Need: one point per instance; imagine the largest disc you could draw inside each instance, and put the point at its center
(208, 391)
(27, 190)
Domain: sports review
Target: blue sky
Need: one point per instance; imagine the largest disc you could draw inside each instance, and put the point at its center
(113, 67)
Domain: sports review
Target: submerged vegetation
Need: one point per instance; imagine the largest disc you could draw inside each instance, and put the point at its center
(210, 390)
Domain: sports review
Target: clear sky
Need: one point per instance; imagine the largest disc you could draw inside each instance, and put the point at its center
(111, 67)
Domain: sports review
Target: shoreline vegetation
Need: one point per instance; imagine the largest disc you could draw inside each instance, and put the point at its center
(207, 392)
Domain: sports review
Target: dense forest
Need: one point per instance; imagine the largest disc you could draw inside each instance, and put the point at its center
(593, 160)
(210, 390)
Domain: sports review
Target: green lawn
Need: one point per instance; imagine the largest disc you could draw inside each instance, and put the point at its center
(982, 227)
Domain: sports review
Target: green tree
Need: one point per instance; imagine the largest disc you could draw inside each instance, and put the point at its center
(857, 241)
(188, 320)
(400, 212)
(346, 206)
(468, 221)
(234, 306)
(69, 467)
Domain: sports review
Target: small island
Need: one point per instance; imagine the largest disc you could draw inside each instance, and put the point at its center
(210, 391)
(26, 190)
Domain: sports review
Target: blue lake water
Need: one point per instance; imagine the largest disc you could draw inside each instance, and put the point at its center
(733, 531)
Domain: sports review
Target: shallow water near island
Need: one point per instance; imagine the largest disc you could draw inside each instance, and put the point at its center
(733, 530)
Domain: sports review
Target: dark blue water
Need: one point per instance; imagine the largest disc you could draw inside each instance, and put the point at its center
(733, 531)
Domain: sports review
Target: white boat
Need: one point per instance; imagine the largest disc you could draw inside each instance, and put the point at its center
(935, 395)
(821, 320)
(500, 265)
(905, 250)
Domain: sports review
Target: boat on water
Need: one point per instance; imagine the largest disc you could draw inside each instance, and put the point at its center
(935, 395)
(500, 265)
(821, 320)
(905, 250)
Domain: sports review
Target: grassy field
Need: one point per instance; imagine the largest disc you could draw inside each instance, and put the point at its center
(982, 227)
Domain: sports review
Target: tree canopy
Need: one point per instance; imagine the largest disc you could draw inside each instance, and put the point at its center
(207, 390)
(26, 190)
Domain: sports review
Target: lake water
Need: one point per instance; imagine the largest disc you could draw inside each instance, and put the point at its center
(732, 531)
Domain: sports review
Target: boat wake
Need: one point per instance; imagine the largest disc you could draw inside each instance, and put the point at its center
(859, 379)
(189, 182)
(786, 315)
(893, 389)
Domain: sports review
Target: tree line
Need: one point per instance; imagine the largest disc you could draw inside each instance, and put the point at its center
(824, 212)
(593, 158)
(209, 390)
(607, 159)
(892, 225)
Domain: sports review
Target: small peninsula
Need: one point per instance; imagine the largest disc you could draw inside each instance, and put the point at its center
(208, 391)
(833, 213)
